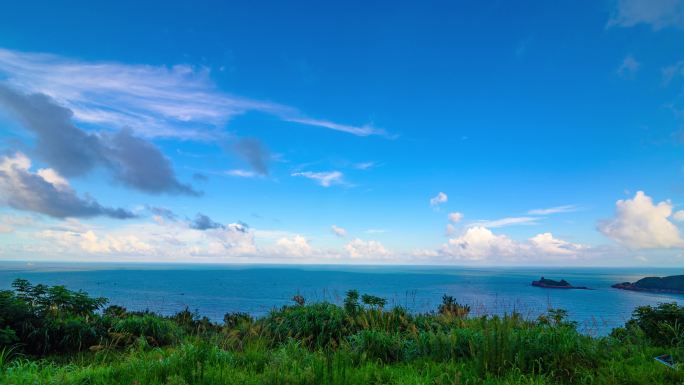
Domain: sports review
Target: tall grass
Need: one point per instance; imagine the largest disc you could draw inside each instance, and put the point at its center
(321, 343)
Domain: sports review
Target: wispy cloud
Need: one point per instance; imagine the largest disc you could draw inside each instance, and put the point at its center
(325, 179)
(364, 130)
(455, 217)
(629, 67)
(254, 152)
(509, 221)
(242, 173)
(365, 165)
(180, 101)
(656, 13)
(376, 231)
(554, 210)
(339, 231)
(439, 199)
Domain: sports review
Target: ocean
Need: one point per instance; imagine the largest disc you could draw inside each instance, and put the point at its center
(213, 290)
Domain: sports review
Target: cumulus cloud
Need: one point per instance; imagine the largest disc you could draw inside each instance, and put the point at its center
(480, 244)
(508, 221)
(155, 101)
(71, 151)
(455, 217)
(358, 248)
(46, 192)
(656, 13)
(640, 224)
(441, 198)
(254, 152)
(554, 210)
(325, 179)
(172, 240)
(296, 246)
(339, 231)
(546, 244)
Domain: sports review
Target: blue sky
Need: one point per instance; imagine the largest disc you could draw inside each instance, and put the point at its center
(313, 132)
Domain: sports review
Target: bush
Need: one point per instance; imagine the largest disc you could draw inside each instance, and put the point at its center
(48, 319)
(450, 307)
(232, 320)
(663, 324)
(317, 325)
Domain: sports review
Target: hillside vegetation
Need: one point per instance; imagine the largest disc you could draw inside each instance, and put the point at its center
(51, 335)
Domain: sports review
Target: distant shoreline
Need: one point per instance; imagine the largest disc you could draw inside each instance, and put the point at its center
(673, 284)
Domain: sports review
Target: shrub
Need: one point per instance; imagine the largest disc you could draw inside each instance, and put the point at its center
(663, 324)
(351, 302)
(450, 307)
(373, 301)
(317, 325)
(48, 319)
(232, 320)
(299, 300)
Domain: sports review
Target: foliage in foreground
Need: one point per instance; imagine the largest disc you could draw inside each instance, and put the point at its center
(50, 335)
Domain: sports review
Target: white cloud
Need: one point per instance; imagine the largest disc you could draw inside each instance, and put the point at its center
(155, 101)
(297, 246)
(339, 231)
(481, 244)
(325, 179)
(629, 67)
(242, 173)
(554, 210)
(441, 198)
(155, 240)
(455, 217)
(656, 13)
(365, 165)
(546, 244)
(678, 216)
(359, 248)
(9, 222)
(640, 224)
(509, 221)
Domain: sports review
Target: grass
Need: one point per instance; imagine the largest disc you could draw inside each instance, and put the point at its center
(322, 343)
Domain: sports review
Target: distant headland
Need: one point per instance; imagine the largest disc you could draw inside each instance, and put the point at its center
(672, 284)
(551, 284)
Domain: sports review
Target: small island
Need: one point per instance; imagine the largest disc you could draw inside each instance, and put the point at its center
(673, 284)
(551, 284)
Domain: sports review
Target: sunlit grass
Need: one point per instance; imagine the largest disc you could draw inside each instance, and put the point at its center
(322, 343)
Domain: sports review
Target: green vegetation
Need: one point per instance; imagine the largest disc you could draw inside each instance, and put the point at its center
(50, 335)
(671, 284)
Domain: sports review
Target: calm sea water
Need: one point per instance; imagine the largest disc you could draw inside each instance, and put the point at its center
(214, 290)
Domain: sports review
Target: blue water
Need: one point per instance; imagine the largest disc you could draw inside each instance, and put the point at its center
(216, 289)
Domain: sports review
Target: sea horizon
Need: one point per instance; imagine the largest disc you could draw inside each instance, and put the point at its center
(213, 290)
